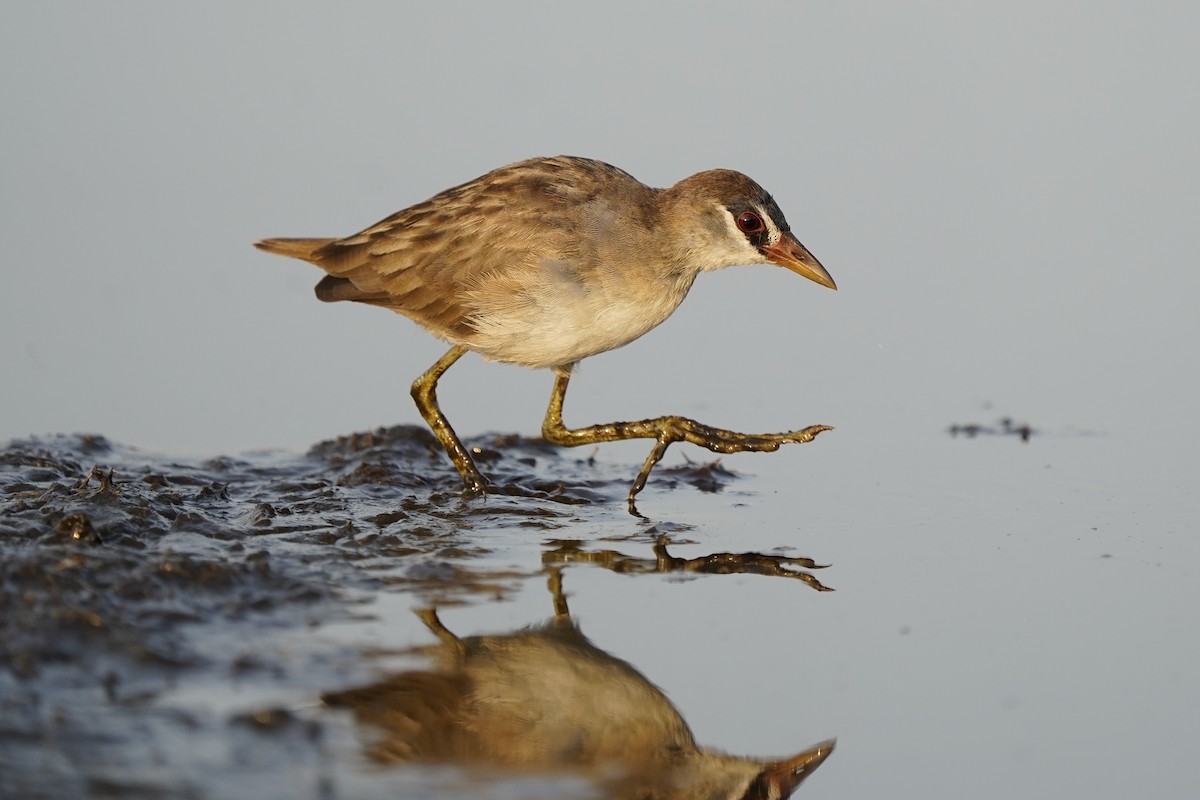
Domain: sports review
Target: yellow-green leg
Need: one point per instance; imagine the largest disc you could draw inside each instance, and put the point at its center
(448, 638)
(664, 430)
(561, 612)
(424, 391)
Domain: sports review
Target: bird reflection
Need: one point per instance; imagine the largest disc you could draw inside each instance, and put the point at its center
(572, 551)
(544, 700)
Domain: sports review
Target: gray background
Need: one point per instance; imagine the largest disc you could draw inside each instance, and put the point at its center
(1006, 195)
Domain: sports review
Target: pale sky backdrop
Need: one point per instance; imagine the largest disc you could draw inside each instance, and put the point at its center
(1005, 193)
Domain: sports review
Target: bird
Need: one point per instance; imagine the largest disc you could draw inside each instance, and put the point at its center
(545, 262)
(545, 699)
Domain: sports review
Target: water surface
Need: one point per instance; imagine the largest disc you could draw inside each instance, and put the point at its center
(962, 612)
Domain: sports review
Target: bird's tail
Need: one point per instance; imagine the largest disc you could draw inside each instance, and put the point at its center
(305, 249)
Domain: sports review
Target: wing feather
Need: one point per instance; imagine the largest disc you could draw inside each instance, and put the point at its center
(428, 260)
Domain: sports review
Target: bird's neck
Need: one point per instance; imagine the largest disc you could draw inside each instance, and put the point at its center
(694, 234)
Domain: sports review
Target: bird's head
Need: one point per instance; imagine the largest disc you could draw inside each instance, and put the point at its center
(721, 218)
(718, 776)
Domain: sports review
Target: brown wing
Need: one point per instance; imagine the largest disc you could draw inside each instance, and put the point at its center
(420, 714)
(423, 261)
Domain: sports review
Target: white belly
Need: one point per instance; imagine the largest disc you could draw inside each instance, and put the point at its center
(559, 318)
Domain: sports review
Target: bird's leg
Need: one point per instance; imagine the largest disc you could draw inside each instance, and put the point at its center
(664, 430)
(554, 582)
(424, 391)
(430, 618)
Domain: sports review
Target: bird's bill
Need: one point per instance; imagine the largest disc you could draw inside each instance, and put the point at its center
(786, 775)
(788, 252)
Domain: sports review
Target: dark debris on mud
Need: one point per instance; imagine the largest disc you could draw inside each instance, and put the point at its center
(115, 546)
(1004, 427)
(126, 575)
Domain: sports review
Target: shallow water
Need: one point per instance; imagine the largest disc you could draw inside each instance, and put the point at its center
(1011, 611)
(170, 626)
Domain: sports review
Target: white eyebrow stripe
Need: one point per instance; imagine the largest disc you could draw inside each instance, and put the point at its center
(773, 232)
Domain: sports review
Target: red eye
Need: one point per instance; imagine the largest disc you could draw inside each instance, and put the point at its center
(749, 222)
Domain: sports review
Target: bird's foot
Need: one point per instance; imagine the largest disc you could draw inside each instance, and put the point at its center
(474, 482)
(718, 440)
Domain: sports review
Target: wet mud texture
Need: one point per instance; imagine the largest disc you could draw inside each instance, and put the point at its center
(136, 588)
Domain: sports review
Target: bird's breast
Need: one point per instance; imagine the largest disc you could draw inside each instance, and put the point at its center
(561, 312)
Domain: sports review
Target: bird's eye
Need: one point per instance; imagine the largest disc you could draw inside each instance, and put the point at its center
(749, 222)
